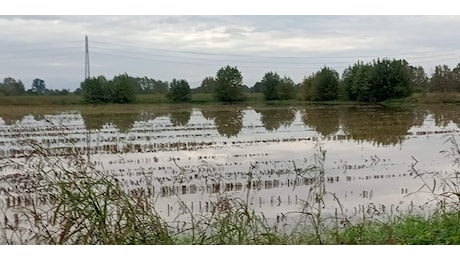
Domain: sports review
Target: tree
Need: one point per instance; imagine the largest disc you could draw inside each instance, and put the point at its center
(123, 89)
(271, 85)
(207, 85)
(258, 88)
(348, 88)
(228, 86)
(456, 77)
(362, 83)
(287, 89)
(325, 84)
(96, 90)
(150, 86)
(179, 91)
(39, 87)
(306, 88)
(389, 79)
(377, 81)
(11, 87)
(419, 79)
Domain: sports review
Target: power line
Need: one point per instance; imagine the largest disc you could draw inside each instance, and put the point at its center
(408, 55)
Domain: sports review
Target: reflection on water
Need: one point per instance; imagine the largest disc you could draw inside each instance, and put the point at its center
(382, 126)
(198, 153)
(323, 119)
(180, 118)
(272, 119)
(122, 121)
(228, 122)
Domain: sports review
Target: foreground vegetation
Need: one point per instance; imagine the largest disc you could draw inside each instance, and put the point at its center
(88, 206)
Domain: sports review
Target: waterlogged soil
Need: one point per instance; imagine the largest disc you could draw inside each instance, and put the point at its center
(190, 158)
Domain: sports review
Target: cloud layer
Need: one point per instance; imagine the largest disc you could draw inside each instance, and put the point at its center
(194, 47)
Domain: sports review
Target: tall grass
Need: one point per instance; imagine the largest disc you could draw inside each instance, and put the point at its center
(83, 205)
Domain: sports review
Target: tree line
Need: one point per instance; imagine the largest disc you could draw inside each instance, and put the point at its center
(13, 87)
(375, 81)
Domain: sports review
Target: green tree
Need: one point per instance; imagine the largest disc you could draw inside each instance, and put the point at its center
(389, 79)
(95, 90)
(419, 79)
(325, 84)
(348, 89)
(38, 87)
(440, 79)
(456, 78)
(361, 83)
(271, 84)
(258, 87)
(179, 91)
(377, 81)
(229, 85)
(11, 87)
(123, 89)
(306, 88)
(287, 89)
(207, 85)
(150, 86)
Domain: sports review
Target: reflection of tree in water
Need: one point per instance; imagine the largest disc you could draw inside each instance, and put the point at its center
(228, 122)
(151, 115)
(380, 125)
(444, 114)
(123, 121)
(324, 120)
(419, 116)
(11, 119)
(180, 118)
(272, 119)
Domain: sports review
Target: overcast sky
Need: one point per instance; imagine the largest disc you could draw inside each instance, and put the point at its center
(193, 47)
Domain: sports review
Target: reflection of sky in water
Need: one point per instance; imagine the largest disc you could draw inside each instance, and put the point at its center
(358, 172)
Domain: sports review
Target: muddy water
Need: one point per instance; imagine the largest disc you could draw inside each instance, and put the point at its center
(259, 155)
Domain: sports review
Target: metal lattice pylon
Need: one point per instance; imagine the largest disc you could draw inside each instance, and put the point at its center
(87, 75)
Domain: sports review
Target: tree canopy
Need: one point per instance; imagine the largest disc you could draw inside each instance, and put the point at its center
(229, 85)
(121, 89)
(179, 91)
(11, 87)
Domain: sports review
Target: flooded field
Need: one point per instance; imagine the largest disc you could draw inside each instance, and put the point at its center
(191, 158)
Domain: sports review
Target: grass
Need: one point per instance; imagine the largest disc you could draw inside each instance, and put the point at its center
(40, 100)
(438, 229)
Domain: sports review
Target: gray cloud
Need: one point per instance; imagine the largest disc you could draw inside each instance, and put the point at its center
(193, 47)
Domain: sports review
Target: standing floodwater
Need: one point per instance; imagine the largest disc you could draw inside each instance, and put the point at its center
(191, 160)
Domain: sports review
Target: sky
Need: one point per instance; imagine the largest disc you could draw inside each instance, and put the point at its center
(193, 46)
